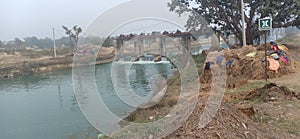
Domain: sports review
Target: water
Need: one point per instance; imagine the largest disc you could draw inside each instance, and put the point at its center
(44, 106)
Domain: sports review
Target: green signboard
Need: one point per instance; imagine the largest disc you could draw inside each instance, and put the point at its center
(265, 24)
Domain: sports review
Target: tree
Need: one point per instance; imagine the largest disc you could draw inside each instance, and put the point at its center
(18, 42)
(224, 16)
(64, 41)
(73, 35)
(31, 41)
(108, 42)
(2, 44)
(45, 43)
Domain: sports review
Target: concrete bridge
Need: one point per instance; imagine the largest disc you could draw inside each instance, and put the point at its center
(152, 47)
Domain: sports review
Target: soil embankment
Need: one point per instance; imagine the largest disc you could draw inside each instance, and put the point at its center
(247, 111)
(247, 64)
(21, 63)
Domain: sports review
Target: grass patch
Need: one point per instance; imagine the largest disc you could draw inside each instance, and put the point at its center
(260, 99)
(36, 54)
(235, 101)
(199, 61)
(290, 126)
(295, 104)
(246, 88)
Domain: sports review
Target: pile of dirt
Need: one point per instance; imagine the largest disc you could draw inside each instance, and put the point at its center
(248, 65)
(253, 67)
(272, 92)
(229, 123)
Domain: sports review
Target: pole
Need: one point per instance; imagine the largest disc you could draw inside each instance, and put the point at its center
(243, 22)
(266, 61)
(54, 45)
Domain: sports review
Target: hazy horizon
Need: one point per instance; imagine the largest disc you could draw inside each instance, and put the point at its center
(20, 19)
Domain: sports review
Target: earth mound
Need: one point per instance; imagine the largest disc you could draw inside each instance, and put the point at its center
(272, 92)
(229, 122)
(247, 64)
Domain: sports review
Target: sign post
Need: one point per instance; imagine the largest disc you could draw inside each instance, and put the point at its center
(264, 25)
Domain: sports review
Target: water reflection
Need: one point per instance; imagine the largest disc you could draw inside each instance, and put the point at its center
(26, 83)
(44, 105)
(40, 106)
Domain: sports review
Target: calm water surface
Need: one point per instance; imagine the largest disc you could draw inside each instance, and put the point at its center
(43, 105)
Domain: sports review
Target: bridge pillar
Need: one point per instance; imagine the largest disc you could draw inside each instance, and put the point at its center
(136, 48)
(139, 47)
(162, 47)
(142, 46)
(215, 41)
(187, 43)
(118, 50)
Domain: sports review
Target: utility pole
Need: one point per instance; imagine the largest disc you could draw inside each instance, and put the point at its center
(54, 45)
(243, 22)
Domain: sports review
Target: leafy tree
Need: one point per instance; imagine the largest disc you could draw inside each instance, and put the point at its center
(41, 43)
(63, 41)
(95, 40)
(108, 42)
(224, 16)
(45, 43)
(18, 42)
(1, 44)
(14, 44)
(73, 35)
(31, 41)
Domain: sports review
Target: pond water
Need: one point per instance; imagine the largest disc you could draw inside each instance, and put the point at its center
(44, 106)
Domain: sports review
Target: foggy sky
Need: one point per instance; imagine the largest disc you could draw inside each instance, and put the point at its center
(25, 18)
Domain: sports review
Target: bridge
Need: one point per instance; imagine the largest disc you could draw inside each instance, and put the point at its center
(152, 47)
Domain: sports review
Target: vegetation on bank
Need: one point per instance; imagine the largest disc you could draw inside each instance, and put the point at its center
(31, 61)
(35, 43)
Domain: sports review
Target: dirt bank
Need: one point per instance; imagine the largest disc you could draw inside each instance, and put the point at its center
(249, 110)
(21, 63)
(248, 65)
(228, 123)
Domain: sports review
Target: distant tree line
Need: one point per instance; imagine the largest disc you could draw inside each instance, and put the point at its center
(47, 43)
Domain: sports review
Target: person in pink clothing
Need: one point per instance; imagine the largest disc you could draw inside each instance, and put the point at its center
(274, 46)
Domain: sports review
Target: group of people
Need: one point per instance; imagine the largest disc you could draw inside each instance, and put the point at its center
(278, 52)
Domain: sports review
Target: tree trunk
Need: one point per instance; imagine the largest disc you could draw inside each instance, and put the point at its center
(249, 36)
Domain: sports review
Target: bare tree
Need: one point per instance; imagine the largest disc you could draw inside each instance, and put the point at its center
(73, 34)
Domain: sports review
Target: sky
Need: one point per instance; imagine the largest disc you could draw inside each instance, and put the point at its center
(137, 16)
(25, 18)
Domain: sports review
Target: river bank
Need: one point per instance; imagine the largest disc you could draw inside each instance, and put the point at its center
(27, 68)
(246, 111)
(30, 62)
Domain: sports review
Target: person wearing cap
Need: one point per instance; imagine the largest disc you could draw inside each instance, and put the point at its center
(274, 46)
